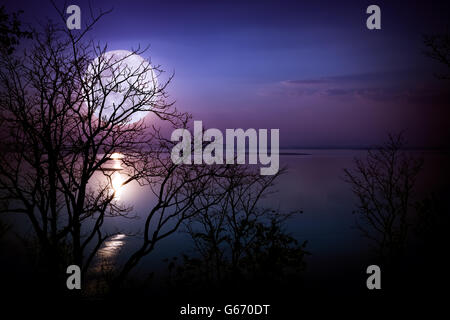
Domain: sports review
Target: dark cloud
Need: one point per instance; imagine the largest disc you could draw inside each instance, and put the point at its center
(412, 86)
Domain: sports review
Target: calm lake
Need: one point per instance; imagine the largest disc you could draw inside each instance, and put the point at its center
(313, 183)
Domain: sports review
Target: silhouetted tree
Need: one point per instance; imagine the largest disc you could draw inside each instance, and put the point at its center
(433, 210)
(61, 129)
(438, 48)
(10, 30)
(237, 240)
(383, 183)
(62, 126)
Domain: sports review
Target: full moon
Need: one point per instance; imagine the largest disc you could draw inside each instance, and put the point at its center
(124, 74)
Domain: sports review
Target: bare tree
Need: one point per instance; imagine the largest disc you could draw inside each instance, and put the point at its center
(239, 239)
(61, 129)
(11, 30)
(64, 121)
(438, 48)
(383, 184)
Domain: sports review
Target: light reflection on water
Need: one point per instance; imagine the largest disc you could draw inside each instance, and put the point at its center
(117, 180)
(313, 184)
(113, 173)
(113, 168)
(112, 246)
(107, 254)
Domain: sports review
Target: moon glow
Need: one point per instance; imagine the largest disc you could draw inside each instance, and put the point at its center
(125, 81)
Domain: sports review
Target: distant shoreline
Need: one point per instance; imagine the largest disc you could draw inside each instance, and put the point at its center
(294, 154)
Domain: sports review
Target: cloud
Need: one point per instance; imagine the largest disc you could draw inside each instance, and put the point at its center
(388, 86)
(306, 82)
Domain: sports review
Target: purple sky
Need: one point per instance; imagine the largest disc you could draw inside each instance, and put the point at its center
(309, 68)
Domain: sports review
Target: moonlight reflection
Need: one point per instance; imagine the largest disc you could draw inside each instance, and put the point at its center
(112, 246)
(117, 181)
(106, 256)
